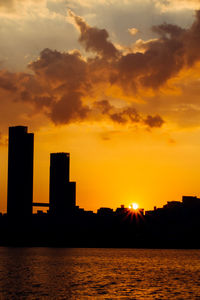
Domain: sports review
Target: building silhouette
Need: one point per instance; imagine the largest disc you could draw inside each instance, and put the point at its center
(20, 172)
(62, 192)
(175, 225)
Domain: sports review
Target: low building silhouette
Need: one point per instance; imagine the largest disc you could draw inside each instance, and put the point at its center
(105, 212)
(190, 201)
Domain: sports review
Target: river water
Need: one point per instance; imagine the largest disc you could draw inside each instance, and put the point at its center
(52, 273)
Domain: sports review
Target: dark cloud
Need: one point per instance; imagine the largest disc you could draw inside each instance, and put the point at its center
(70, 108)
(161, 58)
(95, 39)
(104, 106)
(61, 70)
(64, 84)
(127, 114)
(118, 118)
(154, 121)
(169, 30)
(8, 81)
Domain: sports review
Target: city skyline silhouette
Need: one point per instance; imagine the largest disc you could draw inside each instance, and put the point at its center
(176, 224)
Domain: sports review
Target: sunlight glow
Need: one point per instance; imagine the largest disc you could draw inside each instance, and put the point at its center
(134, 206)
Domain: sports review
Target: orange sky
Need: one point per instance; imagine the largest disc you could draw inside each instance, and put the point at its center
(124, 101)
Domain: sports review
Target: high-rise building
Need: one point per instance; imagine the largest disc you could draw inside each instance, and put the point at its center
(20, 172)
(62, 191)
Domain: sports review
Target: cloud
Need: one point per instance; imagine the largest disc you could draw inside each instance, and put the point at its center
(94, 39)
(162, 58)
(31, 27)
(169, 5)
(10, 4)
(6, 2)
(13, 8)
(161, 4)
(127, 114)
(7, 81)
(69, 109)
(104, 106)
(61, 70)
(154, 121)
(68, 87)
(133, 31)
(35, 25)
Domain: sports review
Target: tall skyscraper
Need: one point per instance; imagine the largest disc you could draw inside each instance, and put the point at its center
(62, 191)
(20, 172)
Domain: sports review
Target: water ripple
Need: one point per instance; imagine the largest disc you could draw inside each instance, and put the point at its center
(49, 273)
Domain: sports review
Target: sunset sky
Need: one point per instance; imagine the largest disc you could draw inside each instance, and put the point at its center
(114, 82)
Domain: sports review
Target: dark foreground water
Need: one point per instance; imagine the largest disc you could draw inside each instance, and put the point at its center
(50, 273)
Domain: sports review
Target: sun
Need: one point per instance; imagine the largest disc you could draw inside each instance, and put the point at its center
(134, 206)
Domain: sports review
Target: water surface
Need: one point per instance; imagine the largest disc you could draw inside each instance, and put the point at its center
(51, 273)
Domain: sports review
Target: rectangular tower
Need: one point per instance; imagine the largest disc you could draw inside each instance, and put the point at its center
(20, 172)
(62, 191)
